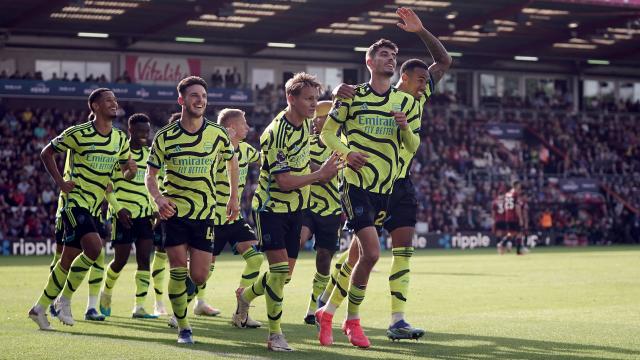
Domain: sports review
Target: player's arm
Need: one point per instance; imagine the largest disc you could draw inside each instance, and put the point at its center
(441, 59)
(48, 159)
(128, 167)
(233, 173)
(165, 207)
(329, 135)
(410, 138)
(287, 181)
(124, 215)
(63, 142)
(277, 159)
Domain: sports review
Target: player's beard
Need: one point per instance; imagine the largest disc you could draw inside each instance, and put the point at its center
(192, 113)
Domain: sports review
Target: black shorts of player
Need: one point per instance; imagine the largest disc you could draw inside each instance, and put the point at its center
(141, 228)
(508, 226)
(59, 234)
(231, 234)
(102, 228)
(78, 222)
(157, 234)
(278, 231)
(198, 234)
(325, 229)
(403, 206)
(364, 208)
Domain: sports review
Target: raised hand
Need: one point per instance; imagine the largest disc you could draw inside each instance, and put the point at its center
(412, 22)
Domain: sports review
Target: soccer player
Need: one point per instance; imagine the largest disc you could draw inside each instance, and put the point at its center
(237, 233)
(188, 150)
(377, 122)
(282, 195)
(508, 219)
(418, 79)
(323, 218)
(93, 148)
(132, 221)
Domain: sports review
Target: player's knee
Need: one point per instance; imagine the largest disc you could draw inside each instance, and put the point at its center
(199, 277)
(369, 258)
(92, 252)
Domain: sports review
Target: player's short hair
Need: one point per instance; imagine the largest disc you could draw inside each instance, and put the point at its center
(299, 81)
(411, 64)
(95, 96)
(226, 115)
(188, 81)
(382, 43)
(174, 117)
(138, 118)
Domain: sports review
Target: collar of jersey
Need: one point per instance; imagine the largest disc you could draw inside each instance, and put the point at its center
(380, 95)
(204, 123)
(284, 117)
(93, 124)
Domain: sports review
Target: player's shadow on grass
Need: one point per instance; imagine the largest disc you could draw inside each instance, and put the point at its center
(251, 343)
(461, 346)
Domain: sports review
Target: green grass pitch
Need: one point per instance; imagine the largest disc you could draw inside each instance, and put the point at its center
(554, 303)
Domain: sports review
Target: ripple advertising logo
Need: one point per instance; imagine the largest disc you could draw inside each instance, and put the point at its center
(470, 241)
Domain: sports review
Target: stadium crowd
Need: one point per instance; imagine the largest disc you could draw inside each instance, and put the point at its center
(457, 171)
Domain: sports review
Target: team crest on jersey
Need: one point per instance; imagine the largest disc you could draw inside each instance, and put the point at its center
(359, 210)
(208, 146)
(281, 156)
(92, 147)
(177, 149)
(364, 107)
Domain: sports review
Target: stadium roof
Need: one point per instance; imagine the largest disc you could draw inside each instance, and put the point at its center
(556, 29)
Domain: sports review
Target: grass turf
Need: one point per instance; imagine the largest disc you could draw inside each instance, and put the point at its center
(554, 303)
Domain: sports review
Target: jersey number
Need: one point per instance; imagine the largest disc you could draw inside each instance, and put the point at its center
(508, 204)
(380, 219)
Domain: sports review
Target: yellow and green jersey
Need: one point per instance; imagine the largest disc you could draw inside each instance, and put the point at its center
(91, 160)
(246, 154)
(324, 199)
(284, 148)
(370, 127)
(189, 161)
(132, 194)
(406, 157)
